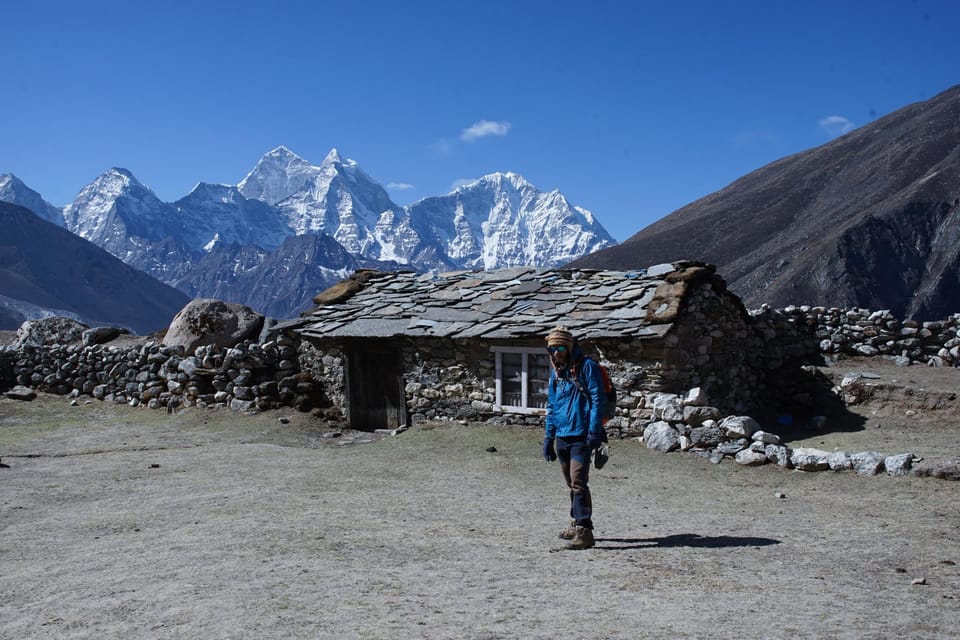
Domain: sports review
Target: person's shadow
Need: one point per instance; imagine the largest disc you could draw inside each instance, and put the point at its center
(682, 540)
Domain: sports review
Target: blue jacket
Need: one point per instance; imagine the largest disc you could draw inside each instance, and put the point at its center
(575, 407)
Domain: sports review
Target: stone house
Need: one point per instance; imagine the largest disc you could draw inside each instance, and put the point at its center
(393, 348)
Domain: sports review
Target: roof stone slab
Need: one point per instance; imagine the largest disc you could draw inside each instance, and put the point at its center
(521, 302)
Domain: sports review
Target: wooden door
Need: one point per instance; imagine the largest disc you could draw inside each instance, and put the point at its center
(374, 386)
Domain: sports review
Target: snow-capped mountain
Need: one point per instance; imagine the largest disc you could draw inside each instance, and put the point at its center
(336, 197)
(119, 214)
(13, 190)
(501, 220)
(219, 214)
(236, 242)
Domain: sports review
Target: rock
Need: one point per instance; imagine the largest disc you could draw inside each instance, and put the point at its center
(209, 322)
(733, 447)
(765, 437)
(809, 459)
(739, 426)
(100, 335)
(21, 392)
(705, 437)
(666, 406)
(898, 465)
(840, 461)
(695, 397)
(660, 436)
(49, 331)
(944, 470)
(750, 458)
(695, 416)
(867, 463)
(779, 454)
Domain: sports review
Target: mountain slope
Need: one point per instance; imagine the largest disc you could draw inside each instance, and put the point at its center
(14, 191)
(45, 267)
(220, 214)
(869, 219)
(279, 283)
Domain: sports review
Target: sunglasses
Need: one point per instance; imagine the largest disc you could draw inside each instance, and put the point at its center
(560, 349)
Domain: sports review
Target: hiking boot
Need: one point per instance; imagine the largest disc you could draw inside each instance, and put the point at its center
(570, 532)
(582, 539)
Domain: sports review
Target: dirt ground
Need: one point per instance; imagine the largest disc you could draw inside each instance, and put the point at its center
(131, 523)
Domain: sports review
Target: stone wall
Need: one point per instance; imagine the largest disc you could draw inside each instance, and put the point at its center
(245, 377)
(740, 361)
(861, 332)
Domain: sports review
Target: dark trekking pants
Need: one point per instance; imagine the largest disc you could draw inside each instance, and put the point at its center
(574, 459)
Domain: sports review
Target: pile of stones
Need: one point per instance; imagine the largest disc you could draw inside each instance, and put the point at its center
(688, 423)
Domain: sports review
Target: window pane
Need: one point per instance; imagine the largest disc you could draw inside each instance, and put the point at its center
(539, 376)
(511, 366)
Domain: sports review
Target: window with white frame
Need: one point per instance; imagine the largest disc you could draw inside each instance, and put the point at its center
(522, 376)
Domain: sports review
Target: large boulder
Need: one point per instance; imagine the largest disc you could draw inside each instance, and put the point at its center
(206, 321)
(48, 331)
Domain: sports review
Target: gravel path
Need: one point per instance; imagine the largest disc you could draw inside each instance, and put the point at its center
(131, 523)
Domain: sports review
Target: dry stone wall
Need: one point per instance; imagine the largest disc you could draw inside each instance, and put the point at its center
(731, 358)
(248, 376)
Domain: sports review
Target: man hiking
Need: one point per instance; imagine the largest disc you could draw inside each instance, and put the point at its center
(574, 427)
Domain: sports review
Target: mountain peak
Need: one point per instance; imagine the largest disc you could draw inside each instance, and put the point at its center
(13, 189)
(498, 179)
(8, 179)
(333, 156)
(281, 153)
(113, 182)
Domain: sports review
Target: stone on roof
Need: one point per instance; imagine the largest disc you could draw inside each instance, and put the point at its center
(520, 302)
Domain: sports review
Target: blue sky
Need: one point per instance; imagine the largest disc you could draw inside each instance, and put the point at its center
(631, 109)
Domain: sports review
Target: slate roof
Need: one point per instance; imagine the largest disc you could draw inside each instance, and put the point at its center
(520, 302)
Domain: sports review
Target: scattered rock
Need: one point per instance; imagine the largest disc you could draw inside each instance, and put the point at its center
(21, 392)
(944, 470)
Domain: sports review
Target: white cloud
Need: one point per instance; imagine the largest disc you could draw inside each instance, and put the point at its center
(836, 126)
(399, 186)
(483, 129)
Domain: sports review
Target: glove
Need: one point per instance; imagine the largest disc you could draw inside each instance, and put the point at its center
(549, 454)
(594, 442)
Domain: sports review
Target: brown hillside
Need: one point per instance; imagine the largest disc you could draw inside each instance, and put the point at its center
(870, 219)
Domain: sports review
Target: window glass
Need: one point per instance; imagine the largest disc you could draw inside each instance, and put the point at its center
(539, 379)
(512, 379)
